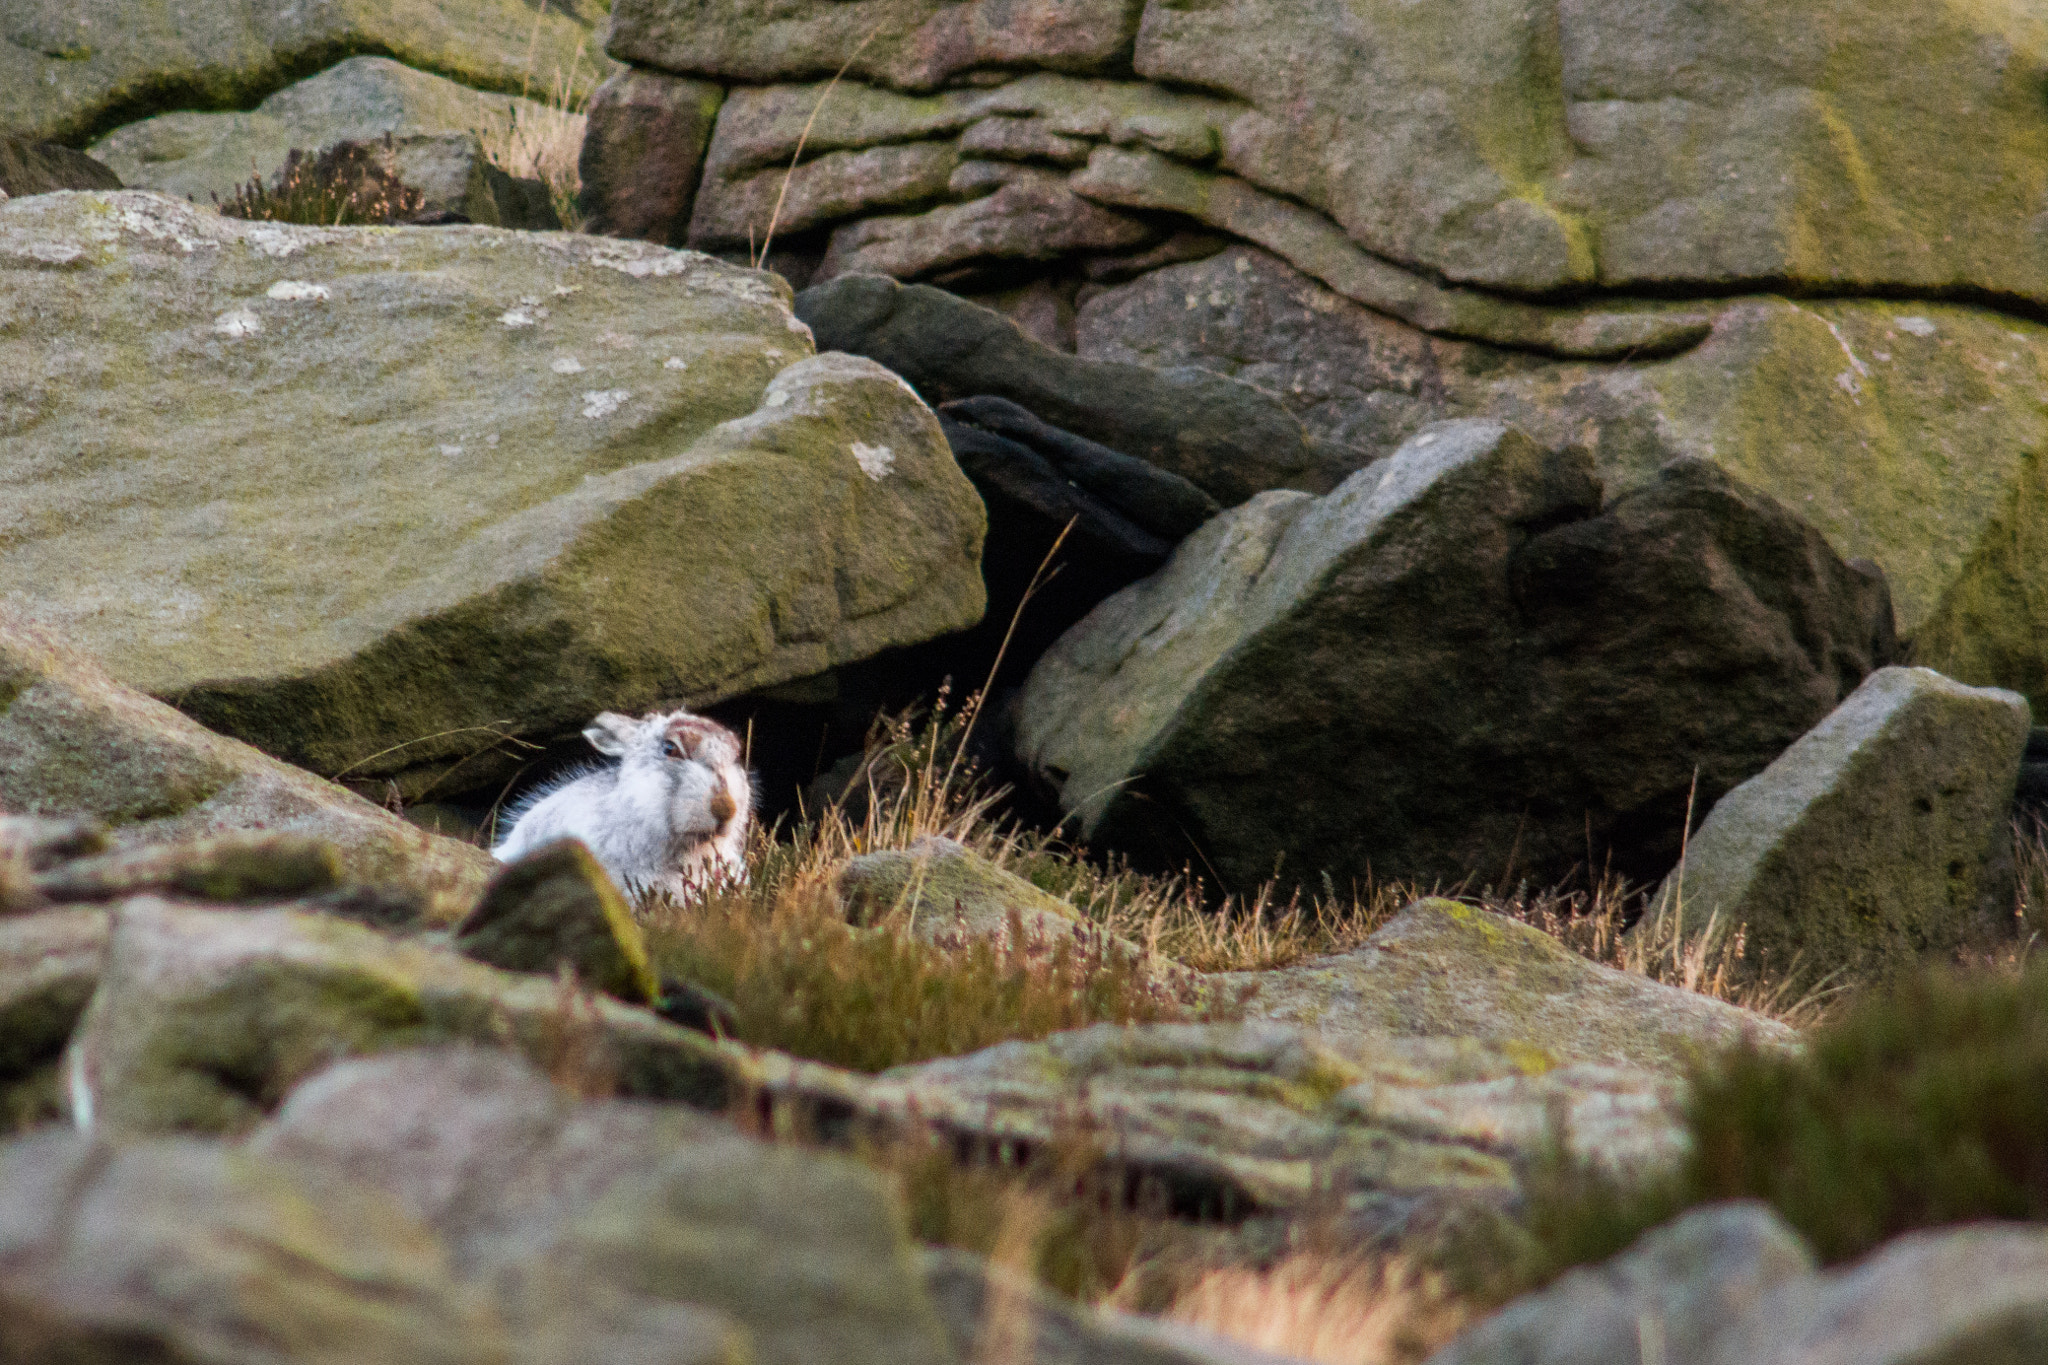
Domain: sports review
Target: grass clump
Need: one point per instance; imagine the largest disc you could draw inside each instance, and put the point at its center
(802, 980)
(348, 184)
(1921, 1107)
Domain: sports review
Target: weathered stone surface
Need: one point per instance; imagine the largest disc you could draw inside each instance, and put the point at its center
(937, 887)
(1027, 214)
(1903, 431)
(30, 167)
(1445, 970)
(1607, 145)
(1619, 144)
(206, 1019)
(556, 907)
(179, 1250)
(73, 741)
(643, 149)
(73, 71)
(49, 965)
(910, 44)
(1681, 1285)
(203, 156)
(1456, 664)
(1731, 1285)
(1880, 836)
(1225, 438)
(611, 1229)
(613, 471)
(244, 865)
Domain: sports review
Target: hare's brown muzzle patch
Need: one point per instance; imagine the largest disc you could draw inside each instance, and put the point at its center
(723, 807)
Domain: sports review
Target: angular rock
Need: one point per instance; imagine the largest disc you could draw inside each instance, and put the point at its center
(556, 907)
(643, 149)
(74, 741)
(240, 866)
(1935, 404)
(601, 1224)
(1227, 439)
(205, 1020)
(49, 966)
(71, 72)
(30, 167)
(1454, 665)
(1680, 1286)
(1880, 836)
(177, 1250)
(1445, 970)
(1731, 1285)
(206, 157)
(613, 471)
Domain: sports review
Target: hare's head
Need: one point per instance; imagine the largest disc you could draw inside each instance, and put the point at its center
(689, 768)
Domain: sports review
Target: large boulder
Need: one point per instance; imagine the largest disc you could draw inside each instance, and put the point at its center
(75, 742)
(453, 1206)
(1572, 221)
(1612, 144)
(1881, 836)
(205, 1019)
(1444, 969)
(622, 1231)
(1905, 431)
(1730, 1284)
(208, 156)
(70, 72)
(369, 498)
(1458, 663)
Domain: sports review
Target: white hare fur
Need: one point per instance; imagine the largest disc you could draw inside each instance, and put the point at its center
(671, 815)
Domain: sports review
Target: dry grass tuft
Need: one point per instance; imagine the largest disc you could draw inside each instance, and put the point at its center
(1345, 1310)
(548, 145)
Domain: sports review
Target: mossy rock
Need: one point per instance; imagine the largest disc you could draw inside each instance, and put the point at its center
(556, 908)
(1443, 969)
(1880, 840)
(573, 474)
(71, 72)
(192, 810)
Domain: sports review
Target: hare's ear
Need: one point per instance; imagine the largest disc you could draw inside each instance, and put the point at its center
(611, 733)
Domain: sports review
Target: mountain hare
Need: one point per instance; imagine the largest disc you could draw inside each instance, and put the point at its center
(671, 815)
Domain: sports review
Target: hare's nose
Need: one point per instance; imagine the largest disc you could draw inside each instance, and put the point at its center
(722, 806)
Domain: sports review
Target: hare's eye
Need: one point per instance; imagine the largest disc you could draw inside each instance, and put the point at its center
(671, 749)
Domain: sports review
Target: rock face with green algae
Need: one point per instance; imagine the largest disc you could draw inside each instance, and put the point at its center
(1882, 836)
(1535, 152)
(1457, 661)
(70, 71)
(206, 1019)
(73, 741)
(202, 1254)
(358, 495)
(555, 908)
(1912, 434)
(1441, 969)
(202, 156)
(607, 1225)
(938, 886)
